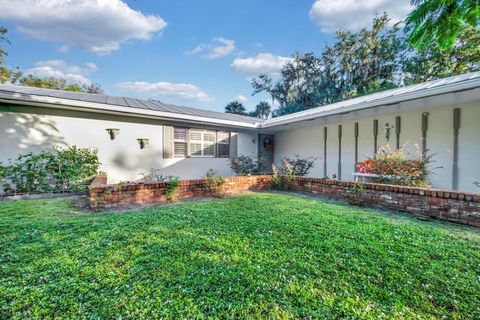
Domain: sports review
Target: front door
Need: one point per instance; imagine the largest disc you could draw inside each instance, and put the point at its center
(265, 150)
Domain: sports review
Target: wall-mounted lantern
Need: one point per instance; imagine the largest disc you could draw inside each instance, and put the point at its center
(113, 133)
(143, 142)
(387, 129)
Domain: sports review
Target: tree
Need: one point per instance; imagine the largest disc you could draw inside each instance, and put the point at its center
(93, 88)
(364, 62)
(6, 74)
(356, 64)
(15, 76)
(439, 22)
(59, 84)
(46, 83)
(235, 107)
(3, 71)
(433, 62)
(289, 108)
(297, 78)
(262, 110)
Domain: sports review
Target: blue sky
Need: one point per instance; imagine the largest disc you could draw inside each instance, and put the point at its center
(188, 52)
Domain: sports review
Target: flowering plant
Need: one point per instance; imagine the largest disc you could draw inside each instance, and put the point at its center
(396, 167)
(364, 167)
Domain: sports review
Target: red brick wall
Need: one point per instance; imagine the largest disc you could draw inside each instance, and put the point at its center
(104, 196)
(448, 205)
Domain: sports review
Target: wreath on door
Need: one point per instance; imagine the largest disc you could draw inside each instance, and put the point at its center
(267, 144)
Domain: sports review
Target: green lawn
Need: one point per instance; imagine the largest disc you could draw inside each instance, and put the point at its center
(263, 255)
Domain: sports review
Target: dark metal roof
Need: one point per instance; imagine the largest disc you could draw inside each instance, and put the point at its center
(124, 102)
(440, 86)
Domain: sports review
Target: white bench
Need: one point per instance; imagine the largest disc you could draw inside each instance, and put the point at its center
(366, 177)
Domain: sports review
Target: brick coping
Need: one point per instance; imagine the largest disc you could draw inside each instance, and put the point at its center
(437, 193)
(100, 183)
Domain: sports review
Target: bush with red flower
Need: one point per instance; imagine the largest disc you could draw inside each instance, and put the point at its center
(397, 167)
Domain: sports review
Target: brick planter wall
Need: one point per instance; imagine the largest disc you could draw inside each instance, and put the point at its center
(447, 205)
(459, 207)
(103, 196)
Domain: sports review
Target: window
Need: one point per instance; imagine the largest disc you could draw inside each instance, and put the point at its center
(200, 143)
(180, 143)
(223, 144)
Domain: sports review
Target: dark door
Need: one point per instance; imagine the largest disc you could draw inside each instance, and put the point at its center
(265, 150)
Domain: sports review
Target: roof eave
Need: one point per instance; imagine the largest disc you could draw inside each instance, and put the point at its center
(317, 113)
(67, 104)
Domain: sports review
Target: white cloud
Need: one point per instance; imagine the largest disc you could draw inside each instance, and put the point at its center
(60, 69)
(262, 63)
(331, 15)
(218, 48)
(240, 98)
(63, 49)
(99, 26)
(168, 90)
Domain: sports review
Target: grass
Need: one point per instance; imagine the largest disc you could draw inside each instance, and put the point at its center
(263, 255)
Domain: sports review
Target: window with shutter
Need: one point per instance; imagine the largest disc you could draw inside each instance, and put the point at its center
(200, 143)
(223, 144)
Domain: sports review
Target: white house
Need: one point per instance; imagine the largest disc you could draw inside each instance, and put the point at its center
(441, 116)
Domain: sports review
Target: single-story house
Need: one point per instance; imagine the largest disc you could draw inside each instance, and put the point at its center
(133, 135)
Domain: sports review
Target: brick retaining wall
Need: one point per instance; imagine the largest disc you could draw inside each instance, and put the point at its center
(459, 207)
(447, 205)
(104, 196)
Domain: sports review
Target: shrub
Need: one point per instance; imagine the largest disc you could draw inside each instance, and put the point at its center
(213, 183)
(171, 189)
(282, 178)
(153, 175)
(395, 167)
(300, 166)
(61, 170)
(245, 165)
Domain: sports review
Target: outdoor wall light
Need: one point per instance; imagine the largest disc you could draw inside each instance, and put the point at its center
(387, 129)
(143, 142)
(113, 133)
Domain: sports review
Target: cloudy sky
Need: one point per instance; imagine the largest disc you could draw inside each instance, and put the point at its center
(188, 52)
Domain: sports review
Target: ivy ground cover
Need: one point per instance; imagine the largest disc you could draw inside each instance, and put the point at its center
(260, 255)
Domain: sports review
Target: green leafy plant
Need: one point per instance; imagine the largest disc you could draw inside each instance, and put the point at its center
(399, 167)
(276, 179)
(245, 165)
(300, 166)
(440, 21)
(171, 189)
(122, 182)
(153, 175)
(62, 170)
(214, 183)
(282, 178)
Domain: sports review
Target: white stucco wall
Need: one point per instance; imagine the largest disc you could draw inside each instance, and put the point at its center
(121, 158)
(308, 142)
